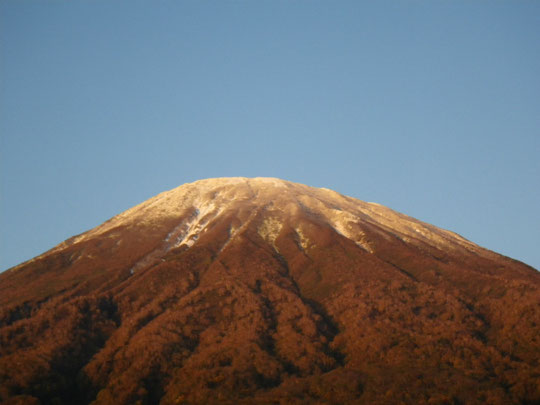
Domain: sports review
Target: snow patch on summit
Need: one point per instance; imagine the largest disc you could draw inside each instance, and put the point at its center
(347, 225)
(269, 230)
(179, 233)
(303, 239)
(188, 232)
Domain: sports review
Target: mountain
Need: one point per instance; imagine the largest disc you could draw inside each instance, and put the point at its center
(263, 291)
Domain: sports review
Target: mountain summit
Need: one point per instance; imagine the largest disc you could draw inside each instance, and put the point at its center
(246, 291)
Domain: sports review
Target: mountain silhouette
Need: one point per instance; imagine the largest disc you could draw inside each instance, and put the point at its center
(263, 291)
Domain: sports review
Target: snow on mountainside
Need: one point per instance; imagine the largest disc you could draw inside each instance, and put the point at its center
(197, 205)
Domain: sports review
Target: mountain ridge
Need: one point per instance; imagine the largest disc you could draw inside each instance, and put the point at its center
(208, 184)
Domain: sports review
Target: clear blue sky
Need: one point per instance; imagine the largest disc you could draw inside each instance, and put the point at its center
(431, 108)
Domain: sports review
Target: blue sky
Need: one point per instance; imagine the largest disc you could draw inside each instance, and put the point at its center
(431, 108)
